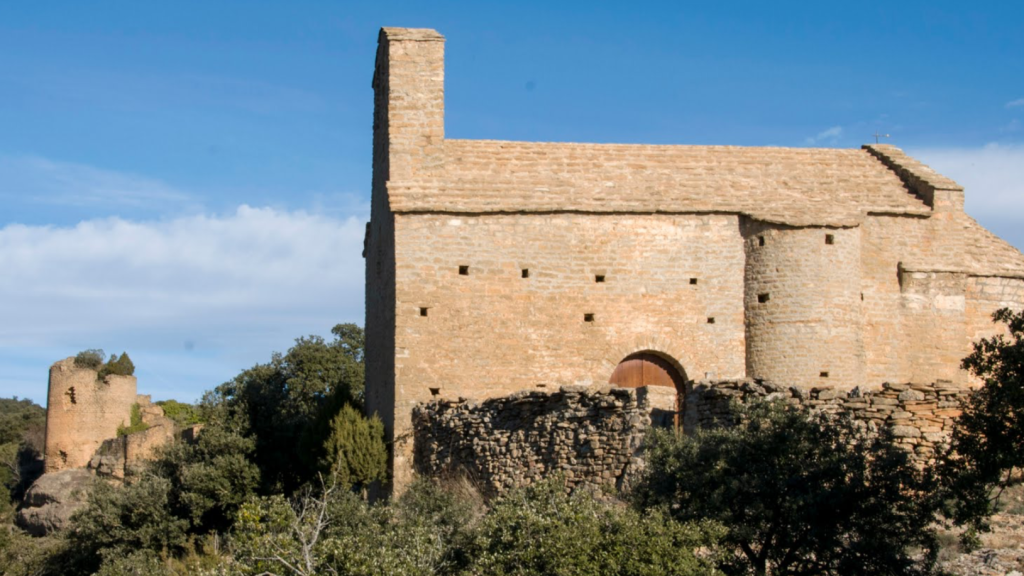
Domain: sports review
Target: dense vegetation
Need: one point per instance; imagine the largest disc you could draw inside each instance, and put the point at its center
(274, 484)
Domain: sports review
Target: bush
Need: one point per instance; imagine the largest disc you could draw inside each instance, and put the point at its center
(985, 457)
(119, 521)
(541, 531)
(118, 366)
(182, 414)
(92, 358)
(355, 450)
(798, 494)
(135, 423)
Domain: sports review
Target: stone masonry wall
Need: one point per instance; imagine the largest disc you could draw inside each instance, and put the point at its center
(81, 412)
(921, 415)
(591, 435)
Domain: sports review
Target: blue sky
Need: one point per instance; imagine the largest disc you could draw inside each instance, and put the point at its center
(188, 181)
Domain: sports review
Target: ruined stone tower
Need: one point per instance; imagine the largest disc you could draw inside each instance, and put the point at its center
(82, 411)
(494, 267)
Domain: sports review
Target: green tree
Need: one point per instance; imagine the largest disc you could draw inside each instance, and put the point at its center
(540, 531)
(985, 453)
(355, 453)
(22, 429)
(288, 404)
(117, 365)
(798, 494)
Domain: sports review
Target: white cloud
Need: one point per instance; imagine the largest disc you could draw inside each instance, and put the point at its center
(993, 181)
(227, 290)
(1015, 103)
(43, 181)
(831, 134)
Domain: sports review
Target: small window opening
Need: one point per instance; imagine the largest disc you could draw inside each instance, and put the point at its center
(423, 311)
(599, 278)
(830, 239)
(823, 374)
(711, 319)
(693, 281)
(762, 298)
(526, 272)
(760, 240)
(71, 395)
(588, 317)
(435, 391)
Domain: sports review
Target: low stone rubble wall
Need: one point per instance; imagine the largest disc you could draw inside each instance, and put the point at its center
(921, 415)
(591, 435)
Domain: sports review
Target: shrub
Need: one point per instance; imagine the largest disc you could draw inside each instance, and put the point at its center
(541, 531)
(135, 424)
(92, 358)
(798, 494)
(119, 366)
(181, 413)
(355, 453)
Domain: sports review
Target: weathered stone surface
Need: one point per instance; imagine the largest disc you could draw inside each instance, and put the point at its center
(912, 420)
(52, 499)
(592, 436)
(495, 266)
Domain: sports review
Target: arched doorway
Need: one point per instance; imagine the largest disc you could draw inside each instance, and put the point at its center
(649, 369)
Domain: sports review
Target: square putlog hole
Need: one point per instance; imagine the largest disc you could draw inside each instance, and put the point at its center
(463, 270)
(434, 391)
(693, 281)
(823, 374)
(760, 240)
(762, 298)
(711, 319)
(526, 272)
(588, 317)
(599, 278)
(423, 311)
(830, 239)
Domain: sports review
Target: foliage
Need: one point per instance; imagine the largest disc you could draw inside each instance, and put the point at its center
(118, 521)
(135, 423)
(985, 455)
(355, 453)
(798, 494)
(333, 531)
(209, 478)
(288, 404)
(182, 414)
(92, 358)
(118, 366)
(541, 531)
(22, 430)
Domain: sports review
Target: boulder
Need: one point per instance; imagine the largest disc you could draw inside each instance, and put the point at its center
(52, 499)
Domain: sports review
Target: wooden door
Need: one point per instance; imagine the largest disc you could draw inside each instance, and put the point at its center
(646, 369)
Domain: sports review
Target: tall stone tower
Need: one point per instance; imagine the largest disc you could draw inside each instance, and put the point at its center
(82, 411)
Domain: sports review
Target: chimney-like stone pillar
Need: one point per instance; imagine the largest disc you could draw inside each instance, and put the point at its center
(408, 121)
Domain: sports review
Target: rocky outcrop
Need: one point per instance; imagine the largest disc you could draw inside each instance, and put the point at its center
(52, 499)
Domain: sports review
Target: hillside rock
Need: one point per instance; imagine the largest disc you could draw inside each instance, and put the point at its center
(52, 499)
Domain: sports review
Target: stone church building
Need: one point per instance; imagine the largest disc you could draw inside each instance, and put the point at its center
(494, 266)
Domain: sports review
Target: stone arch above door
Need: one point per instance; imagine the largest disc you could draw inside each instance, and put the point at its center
(648, 368)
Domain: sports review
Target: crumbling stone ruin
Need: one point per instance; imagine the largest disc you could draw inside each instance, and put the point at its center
(494, 267)
(590, 436)
(86, 420)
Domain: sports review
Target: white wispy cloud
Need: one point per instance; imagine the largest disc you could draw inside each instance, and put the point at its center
(1015, 103)
(827, 135)
(43, 181)
(993, 181)
(216, 292)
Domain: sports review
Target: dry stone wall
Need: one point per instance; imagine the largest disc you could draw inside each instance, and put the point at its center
(590, 435)
(921, 415)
